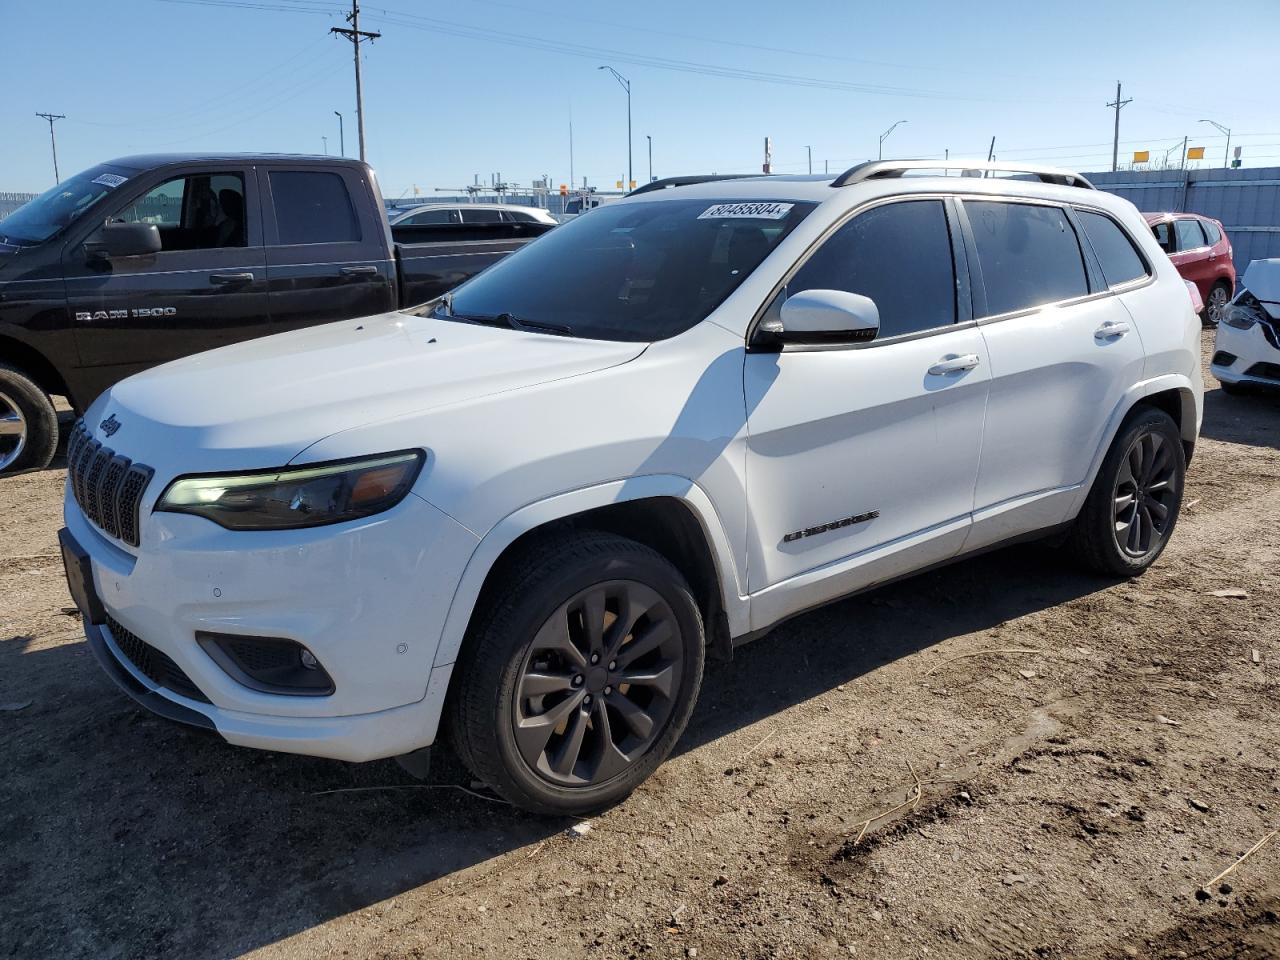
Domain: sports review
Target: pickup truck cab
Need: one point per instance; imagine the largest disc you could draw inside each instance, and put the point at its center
(147, 259)
(522, 513)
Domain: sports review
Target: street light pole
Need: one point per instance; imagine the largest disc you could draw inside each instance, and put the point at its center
(1226, 155)
(626, 85)
(650, 139)
(885, 136)
(810, 149)
(342, 138)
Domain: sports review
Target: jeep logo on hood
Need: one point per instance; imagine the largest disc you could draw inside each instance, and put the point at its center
(110, 425)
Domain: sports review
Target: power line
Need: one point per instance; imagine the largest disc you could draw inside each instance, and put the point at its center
(53, 140)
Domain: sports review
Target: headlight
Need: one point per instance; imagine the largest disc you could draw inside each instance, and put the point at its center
(1239, 316)
(292, 497)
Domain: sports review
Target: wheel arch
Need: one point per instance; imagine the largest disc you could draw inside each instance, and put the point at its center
(20, 354)
(670, 514)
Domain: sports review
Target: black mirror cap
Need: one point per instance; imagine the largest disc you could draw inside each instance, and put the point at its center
(125, 240)
(771, 337)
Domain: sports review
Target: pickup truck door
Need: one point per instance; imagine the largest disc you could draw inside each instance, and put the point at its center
(205, 289)
(328, 246)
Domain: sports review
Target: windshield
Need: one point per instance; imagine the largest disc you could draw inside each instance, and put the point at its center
(38, 220)
(630, 271)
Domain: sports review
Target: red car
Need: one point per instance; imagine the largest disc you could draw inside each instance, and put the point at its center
(1199, 248)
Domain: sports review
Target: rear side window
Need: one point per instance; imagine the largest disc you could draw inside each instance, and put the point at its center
(1211, 232)
(1029, 255)
(481, 216)
(899, 255)
(1120, 261)
(312, 207)
(1190, 235)
(519, 216)
(433, 216)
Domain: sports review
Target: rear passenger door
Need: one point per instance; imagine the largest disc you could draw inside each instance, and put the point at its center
(862, 457)
(1063, 351)
(327, 249)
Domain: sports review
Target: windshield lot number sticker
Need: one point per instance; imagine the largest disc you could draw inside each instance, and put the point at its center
(110, 180)
(744, 211)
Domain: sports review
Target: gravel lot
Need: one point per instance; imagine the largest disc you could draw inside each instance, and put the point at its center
(1067, 802)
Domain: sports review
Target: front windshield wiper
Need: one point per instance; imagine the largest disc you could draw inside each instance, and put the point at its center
(510, 320)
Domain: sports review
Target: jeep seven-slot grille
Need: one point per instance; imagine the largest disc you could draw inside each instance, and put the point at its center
(157, 667)
(107, 486)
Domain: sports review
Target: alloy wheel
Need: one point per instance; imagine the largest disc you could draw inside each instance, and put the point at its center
(1146, 493)
(13, 431)
(1217, 304)
(598, 684)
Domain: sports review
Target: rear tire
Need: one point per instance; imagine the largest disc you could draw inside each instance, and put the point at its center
(28, 423)
(1215, 304)
(1134, 503)
(554, 705)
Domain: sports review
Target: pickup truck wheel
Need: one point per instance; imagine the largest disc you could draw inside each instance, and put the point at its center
(575, 685)
(1216, 304)
(1135, 500)
(28, 423)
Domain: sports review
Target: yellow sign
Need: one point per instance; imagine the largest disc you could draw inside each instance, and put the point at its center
(618, 184)
(1195, 153)
(564, 189)
(633, 184)
(1141, 156)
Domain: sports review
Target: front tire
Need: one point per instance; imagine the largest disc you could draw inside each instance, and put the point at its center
(1135, 500)
(28, 423)
(576, 681)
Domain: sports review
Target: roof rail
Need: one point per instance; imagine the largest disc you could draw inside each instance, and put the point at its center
(689, 180)
(878, 169)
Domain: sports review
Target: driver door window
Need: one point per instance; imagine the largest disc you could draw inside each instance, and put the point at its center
(200, 212)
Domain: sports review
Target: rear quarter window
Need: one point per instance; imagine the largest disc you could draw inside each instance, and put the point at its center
(1119, 259)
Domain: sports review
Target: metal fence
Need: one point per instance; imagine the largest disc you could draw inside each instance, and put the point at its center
(1246, 201)
(10, 202)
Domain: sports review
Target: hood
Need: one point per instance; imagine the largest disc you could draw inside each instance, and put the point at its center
(1262, 279)
(262, 402)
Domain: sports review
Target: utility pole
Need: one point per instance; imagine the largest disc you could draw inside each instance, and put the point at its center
(1226, 154)
(991, 153)
(1184, 153)
(326, 145)
(810, 149)
(342, 137)
(768, 155)
(51, 117)
(357, 37)
(1115, 142)
(650, 139)
(571, 180)
(626, 85)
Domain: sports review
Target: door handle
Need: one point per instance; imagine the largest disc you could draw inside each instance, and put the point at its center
(954, 364)
(362, 271)
(1112, 328)
(223, 279)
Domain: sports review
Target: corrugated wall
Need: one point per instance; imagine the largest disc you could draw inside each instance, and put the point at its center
(1247, 201)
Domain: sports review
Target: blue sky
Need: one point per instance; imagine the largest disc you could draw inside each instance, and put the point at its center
(457, 88)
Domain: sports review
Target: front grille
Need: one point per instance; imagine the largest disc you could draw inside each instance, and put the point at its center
(1270, 371)
(153, 664)
(107, 486)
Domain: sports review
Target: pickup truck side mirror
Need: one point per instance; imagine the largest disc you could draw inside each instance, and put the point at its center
(828, 316)
(124, 240)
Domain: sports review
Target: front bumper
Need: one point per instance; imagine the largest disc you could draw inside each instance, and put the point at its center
(367, 598)
(1245, 356)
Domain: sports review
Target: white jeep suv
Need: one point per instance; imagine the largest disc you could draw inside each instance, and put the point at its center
(524, 513)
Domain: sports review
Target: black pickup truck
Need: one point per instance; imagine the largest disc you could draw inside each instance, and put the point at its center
(150, 258)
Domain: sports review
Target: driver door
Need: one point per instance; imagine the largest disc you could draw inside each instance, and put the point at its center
(862, 458)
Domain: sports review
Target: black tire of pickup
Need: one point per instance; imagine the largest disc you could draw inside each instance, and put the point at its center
(532, 589)
(27, 405)
(1142, 475)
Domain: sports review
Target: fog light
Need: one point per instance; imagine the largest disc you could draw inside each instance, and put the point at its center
(309, 659)
(268, 664)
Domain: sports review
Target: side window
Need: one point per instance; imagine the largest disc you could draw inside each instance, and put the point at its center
(433, 216)
(1029, 254)
(200, 212)
(1120, 261)
(899, 255)
(1190, 235)
(1211, 232)
(481, 216)
(312, 207)
(1164, 235)
(519, 216)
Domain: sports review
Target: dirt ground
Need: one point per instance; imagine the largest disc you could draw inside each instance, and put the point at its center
(1072, 797)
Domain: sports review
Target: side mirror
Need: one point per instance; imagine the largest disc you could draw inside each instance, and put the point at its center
(828, 316)
(124, 240)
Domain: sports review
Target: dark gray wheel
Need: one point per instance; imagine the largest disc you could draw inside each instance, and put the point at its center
(579, 678)
(1133, 505)
(1216, 304)
(28, 423)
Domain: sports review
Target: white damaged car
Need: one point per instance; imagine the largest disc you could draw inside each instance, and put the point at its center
(1246, 352)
